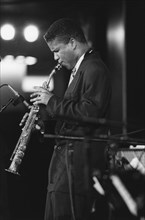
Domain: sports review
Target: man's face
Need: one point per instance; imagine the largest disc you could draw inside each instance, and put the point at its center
(63, 53)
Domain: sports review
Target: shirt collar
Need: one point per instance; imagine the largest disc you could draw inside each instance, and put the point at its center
(75, 69)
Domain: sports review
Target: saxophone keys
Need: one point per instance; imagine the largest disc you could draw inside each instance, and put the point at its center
(22, 147)
(24, 119)
(20, 155)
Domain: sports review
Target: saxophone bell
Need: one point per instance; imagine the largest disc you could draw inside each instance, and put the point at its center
(15, 166)
(16, 160)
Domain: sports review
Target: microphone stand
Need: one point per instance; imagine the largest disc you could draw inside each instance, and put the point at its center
(5, 106)
(8, 103)
(102, 138)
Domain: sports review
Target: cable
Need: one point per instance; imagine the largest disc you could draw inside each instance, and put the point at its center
(3, 85)
(132, 132)
(69, 173)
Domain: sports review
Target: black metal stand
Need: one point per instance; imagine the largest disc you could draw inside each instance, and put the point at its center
(100, 138)
(5, 106)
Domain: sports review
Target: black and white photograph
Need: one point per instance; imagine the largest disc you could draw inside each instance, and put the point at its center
(72, 110)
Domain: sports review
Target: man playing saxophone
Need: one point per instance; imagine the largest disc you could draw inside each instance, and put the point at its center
(70, 190)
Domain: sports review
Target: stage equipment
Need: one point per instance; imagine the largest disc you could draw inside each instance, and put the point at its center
(30, 121)
(124, 191)
(19, 98)
(6, 105)
(15, 101)
(124, 180)
(122, 183)
(101, 138)
(127, 157)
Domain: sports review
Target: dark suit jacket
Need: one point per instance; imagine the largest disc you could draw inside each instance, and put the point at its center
(87, 96)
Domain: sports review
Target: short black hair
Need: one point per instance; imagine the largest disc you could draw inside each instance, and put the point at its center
(64, 29)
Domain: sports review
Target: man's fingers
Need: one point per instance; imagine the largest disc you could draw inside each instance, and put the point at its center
(35, 94)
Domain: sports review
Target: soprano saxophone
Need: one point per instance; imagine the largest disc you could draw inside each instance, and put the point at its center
(21, 146)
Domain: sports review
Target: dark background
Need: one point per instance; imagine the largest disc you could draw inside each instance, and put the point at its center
(25, 194)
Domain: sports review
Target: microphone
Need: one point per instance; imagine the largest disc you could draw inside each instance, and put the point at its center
(19, 98)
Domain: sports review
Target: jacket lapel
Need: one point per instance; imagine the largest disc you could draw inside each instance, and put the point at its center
(77, 76)
(74, 82)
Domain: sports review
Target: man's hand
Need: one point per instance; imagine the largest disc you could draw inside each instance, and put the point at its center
(40, 96)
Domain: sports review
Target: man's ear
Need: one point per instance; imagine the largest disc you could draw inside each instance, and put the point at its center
(73, 43)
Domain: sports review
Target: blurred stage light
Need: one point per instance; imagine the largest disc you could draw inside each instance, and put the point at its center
(15, 68)
(11, 71)
(116, 35)
(31, 33)
(7, 32)
(20, 59)
(29, 82)
(30, 60)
